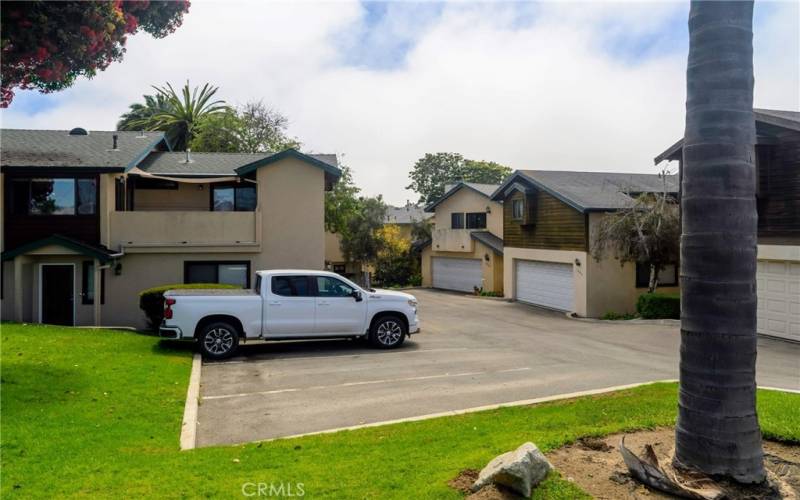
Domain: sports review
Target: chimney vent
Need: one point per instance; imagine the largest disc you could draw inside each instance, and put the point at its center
(115, 138)
(188, 155)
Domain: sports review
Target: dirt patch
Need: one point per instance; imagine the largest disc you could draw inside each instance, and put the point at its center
(595, 464)
(465, 479)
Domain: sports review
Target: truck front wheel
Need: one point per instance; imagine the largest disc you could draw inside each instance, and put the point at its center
(388, 332)
(218, 340)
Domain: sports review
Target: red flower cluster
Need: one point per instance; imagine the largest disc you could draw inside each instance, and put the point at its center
(46, 45)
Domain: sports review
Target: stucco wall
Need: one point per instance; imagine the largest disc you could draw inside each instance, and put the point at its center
(186, 197)
(291, 198)
(612, 286)
(467, 200)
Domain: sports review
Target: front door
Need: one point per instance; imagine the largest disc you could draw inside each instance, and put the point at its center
(58, 294)
(338, 312)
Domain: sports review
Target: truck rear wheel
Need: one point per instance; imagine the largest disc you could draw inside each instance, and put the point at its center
(388, 332)
(218, 340)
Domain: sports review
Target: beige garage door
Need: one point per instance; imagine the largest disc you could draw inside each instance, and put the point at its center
(548, 284)
(779, 298)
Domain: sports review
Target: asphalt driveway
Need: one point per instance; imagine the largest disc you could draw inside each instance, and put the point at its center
(472, 352)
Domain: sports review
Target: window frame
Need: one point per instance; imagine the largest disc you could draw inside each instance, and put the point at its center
(457, 216)
(316, 292)
(236, 187)
(475, 215)
(311, 285)
(645, 283)
(521, 203)
(28, 180)
(216, 263)
(85, 300)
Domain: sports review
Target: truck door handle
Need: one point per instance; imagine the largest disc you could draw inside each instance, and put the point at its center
(323, 303)
(274, 303)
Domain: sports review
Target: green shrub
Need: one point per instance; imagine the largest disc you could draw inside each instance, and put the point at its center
(151, 301)
(485, 293)
(659, 306)
(611, 315)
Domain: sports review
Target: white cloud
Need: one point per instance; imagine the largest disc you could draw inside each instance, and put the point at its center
(546, 95)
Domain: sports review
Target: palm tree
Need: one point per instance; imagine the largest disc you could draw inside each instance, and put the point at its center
(139, 116)
(173, 113)
(717, 430)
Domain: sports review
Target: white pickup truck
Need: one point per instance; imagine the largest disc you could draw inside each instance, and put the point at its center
(284, 305)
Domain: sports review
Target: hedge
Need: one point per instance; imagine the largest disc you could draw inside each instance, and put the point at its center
(151, 301)
(659, 306)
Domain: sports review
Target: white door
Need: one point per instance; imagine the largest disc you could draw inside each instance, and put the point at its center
(779, 298)
(289, 307)
(457, 274)
(338, 312)
(548, 284)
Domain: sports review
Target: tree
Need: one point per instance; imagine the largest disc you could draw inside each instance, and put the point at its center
(251, 128)
(360, 241)
(433, 171)
(46, 45)
(717, 430)
(395, 263)
(647, 231)
(180, 115)
(342, 203)
(142, 113)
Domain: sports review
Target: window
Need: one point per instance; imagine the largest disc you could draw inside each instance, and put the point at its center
(46, 196)
(119, 195)
(517, 209)
(457, 221)
(668, 276)
(476, 220)
(230, 273)
(331, 287)
(257, 286)
(291, 286)
(340, 268)
(87, 283)
(233, 198)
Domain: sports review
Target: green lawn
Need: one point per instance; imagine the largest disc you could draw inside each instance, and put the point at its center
(98, 413)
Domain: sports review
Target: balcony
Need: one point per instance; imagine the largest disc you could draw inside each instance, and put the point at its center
(452, 240)
(151, 230)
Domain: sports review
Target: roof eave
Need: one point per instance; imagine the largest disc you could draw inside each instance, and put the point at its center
(289, 153)
(499, 193)
(161, 137)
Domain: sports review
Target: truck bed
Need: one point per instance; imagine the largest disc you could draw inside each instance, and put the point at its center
(213, 292)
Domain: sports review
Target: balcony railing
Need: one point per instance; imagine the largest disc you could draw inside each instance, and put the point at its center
(451, 240)
(174, 228)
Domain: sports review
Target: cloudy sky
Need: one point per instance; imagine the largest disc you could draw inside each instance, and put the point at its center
(553, 85)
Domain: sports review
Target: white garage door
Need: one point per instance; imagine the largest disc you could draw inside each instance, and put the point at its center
(779, 298)
(456, 274)
(547, 284)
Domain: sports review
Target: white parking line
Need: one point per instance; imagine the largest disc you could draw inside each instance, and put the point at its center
(364, 382)
(323, 356)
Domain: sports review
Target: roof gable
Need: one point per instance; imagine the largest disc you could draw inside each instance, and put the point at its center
(319, 161)
(485, 190)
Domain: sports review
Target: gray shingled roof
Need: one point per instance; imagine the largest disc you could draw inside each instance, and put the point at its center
(591, 191)
(488, 239)
(174, 163)
(484, 189)
(57, 148)
(406, 215)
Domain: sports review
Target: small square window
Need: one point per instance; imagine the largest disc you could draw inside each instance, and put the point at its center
(457, 221)
(476, 220)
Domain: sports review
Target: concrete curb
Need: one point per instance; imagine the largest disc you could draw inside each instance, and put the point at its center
(451, 413)
(189, 425)
(635, 321)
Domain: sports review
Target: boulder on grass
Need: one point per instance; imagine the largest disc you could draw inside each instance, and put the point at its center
(519, 470)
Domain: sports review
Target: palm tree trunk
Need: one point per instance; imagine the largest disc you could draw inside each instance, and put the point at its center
(717, 430)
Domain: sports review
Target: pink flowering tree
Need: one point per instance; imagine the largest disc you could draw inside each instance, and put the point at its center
(46, 45)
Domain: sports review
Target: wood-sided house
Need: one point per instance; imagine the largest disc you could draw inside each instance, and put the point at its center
(777, 158)
(549, 219)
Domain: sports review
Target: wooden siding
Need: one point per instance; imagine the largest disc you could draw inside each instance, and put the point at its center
(557, 226)
(779, 188)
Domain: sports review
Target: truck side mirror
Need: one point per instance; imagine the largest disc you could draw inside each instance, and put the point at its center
(357, 295)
